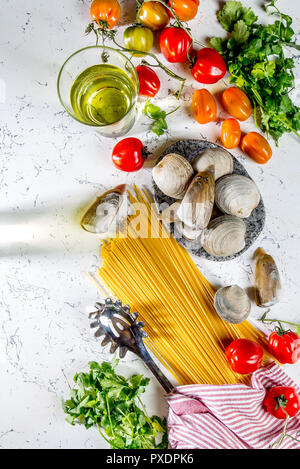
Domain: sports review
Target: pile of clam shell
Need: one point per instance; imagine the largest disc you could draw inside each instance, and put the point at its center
(232, 302)
(202, 187)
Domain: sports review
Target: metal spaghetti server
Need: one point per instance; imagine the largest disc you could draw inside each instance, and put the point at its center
(121, 328)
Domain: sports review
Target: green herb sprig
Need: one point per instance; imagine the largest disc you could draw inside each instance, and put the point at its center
(107, 400)
(159, 125)
(254, 54)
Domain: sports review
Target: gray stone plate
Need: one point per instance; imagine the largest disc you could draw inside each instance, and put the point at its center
(254, 224)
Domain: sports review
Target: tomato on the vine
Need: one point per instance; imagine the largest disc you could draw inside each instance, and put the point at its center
(257, 147)
(149, 81)
(282, 402)
(204, 106)
(129, 154)
(186, 10)
(285, 346)
(106, 13)
(244, 356)
(175, 44)
(208, 66)
(230, 133)
(138, 38)
(153, 15)
(236, 103)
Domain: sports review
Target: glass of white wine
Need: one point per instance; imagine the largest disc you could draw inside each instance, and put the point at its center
(98, 86)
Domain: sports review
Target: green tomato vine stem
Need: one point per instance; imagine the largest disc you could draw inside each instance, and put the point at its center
(158, 64)
(279, 321)
(179, 23)
(110, 34)
(284, 433)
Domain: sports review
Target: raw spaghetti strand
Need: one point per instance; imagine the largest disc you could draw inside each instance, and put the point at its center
(158, 278)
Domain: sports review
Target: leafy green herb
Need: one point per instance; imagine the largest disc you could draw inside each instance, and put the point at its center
(159, 126)
(108, 400)
(254, 54)
(232, 12)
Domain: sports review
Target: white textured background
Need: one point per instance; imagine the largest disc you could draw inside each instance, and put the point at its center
(51, 168)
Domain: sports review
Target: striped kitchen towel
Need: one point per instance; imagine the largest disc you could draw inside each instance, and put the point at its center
(230, 416)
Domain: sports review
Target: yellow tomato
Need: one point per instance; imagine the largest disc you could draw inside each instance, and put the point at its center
(153, 15)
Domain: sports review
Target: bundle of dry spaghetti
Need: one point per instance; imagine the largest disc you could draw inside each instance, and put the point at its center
(159, 280)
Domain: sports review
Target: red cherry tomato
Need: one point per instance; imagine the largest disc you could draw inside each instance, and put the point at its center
(230, 133)
(129, 154)
(204, 106)
(149, 81)
(257, 147)
(285, 346)
(209, 66)
(282, 401)
(236, 103)
(175, 44)
(186, 10)
(244, 355)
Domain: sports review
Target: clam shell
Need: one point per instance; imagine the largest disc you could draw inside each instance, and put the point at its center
(267, 279)
(172, 175)
(224, 236)
(232, 304)
(197, 205)
(190, 148)
(169, 214)
(236, 195)
(108, 213)
(217, 157)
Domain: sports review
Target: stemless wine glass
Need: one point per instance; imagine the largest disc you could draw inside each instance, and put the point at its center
(98, 86)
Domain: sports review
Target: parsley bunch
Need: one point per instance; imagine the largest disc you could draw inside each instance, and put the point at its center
(255, 59)
(159, 124)
(108, 400)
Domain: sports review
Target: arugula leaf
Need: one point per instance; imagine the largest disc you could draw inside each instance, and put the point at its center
(254, 54)
(107, 400)
(159, 126)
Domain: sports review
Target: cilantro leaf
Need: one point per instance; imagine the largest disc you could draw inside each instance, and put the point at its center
(152, 111)
(230, 14)
(249, 17)
(234, 11)
(240, 32)
(217, 43)
(159, 126)
(107, 400)
(263, 70)
(254, 54)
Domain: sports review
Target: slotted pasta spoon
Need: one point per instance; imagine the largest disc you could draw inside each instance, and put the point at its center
(123, 331)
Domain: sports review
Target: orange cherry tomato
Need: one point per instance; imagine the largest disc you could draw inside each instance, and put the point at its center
(230, 133)
(106, 12)
(236, 103)
(153, 15)
(257, 147)
(186, 10)
(204, 106)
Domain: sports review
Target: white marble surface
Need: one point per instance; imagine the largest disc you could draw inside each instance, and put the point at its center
(51, 167)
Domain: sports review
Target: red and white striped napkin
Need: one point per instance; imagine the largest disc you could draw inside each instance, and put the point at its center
(232, 416)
